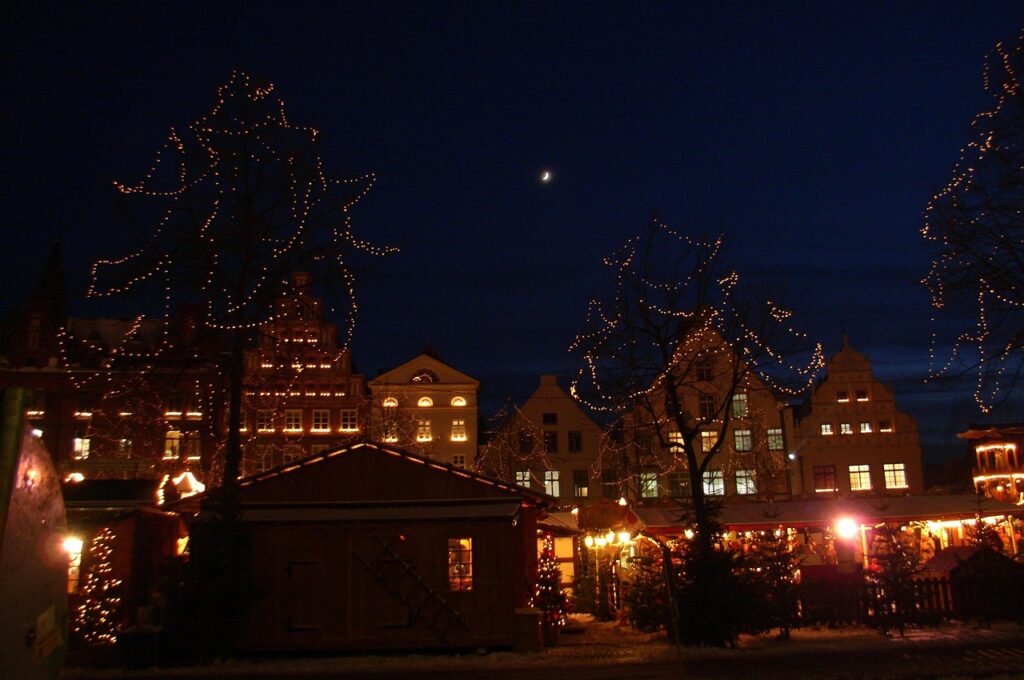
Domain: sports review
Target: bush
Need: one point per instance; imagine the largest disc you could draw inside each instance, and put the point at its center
(646, 600)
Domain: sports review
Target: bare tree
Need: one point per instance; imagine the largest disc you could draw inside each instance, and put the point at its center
(685, 359)
(514, 444)
(975, 228)
(233, 205)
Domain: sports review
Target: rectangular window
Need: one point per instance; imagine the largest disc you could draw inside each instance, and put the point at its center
(190, 446)
(609, 484)
(391, 432)
(675, 441)
(862, 395)
(321, 420)
(708, 441)
(459, 460)
(704, 369)
(458, 430)
(264, 421)
(349, 420)
(264, 458)
(860, 478)
(423, 431)
(173, 407)
(523, 478)
(580, 483)
(460, 564)
(825, 478)
(742, 441)
(293, 420)
(843, 396)
(775, 441)
(172, 445)
(845, 428)
(706, 406)
(292, 453)
(678, 484)
(81, 451)
(745, 484)
(740, 405)
(826, 429)
(865, 428)
(319, 448)
(575, 441)
(549, 418)
(648, 485)
(550, 441)
(895, 475)
(551, 485)
(714, 483)
(885, 426)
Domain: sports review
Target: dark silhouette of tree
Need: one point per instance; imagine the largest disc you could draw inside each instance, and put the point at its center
(233, 205)
(975, 228)
(514, 444)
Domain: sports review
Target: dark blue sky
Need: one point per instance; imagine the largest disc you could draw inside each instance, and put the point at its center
(811, 134)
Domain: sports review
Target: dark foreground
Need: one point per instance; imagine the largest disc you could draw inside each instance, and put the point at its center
(605, 651)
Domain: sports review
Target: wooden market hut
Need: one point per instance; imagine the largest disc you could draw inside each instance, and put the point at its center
(372, 547)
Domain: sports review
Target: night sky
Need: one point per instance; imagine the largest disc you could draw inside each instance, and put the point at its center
(811, 135)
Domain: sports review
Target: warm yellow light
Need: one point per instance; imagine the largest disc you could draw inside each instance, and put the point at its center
(610, 537)
(846, 528)
(622, 501)
(601, 542)
(624, 537)
(73, 545)
(74, 477)
(588, 541)
(181, 545)
(425, 401)
(689, 534)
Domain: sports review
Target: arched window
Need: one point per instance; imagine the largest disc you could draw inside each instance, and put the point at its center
(458, 401)
(390, 402)
(425, 401)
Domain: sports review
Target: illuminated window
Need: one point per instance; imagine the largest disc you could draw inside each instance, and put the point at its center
(460, 564)
(551, 484)
(704, 369)
(708, 441)
(885, 426)
(172, 445)
(425, 401)
(706, 405)
(349, 420)
(775, 441)
(895, 475)
(73, 547)
(458, 430)
(862, 395)
(675, 441)
(745, 484)
(714, 483)
(843, 396)
(580, 483)
(740, 405)
(742, 440)
(845, 428)
(523, 478)
(458, 401)
(390, 402)
(575, 441)
(549, 418)
(459, 460)
(825, 478)
(860, 478)
(81, 451)
(865, 428)
(264, 421)
(423, 431)
(648, 484)
(321, 420)
(550, 441)
(391, 432)
(293, 420)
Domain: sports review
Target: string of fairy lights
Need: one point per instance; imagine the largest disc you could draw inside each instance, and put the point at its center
(975, 225)
(96, 619)
(302, 224)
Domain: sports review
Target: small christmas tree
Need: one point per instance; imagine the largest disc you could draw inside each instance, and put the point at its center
(548, 595)
(96, 617)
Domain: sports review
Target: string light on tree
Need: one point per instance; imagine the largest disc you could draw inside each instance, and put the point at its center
(96, 618)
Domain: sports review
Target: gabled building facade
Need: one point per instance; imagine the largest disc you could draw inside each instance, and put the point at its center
(999, 469)
(427, 406)
(850, 438)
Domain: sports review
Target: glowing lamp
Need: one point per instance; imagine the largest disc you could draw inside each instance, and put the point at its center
(792, 456)
(846, 528)
(72, 545)
(624, 536)
(601, 541)
(588, 541)
(689, 534)
(622, 501)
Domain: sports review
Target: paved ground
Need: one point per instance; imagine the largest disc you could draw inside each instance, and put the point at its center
(604, 651)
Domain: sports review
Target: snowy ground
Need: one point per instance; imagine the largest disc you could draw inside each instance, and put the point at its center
(604, 650)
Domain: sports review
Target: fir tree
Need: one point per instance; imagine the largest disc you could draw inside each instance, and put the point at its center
(548, 595)
(96, 617)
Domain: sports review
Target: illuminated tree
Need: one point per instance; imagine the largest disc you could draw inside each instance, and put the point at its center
(679, 328)
(548, 595)
(233, 205)
(95, 619)
(515, 445)
(975, 228)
